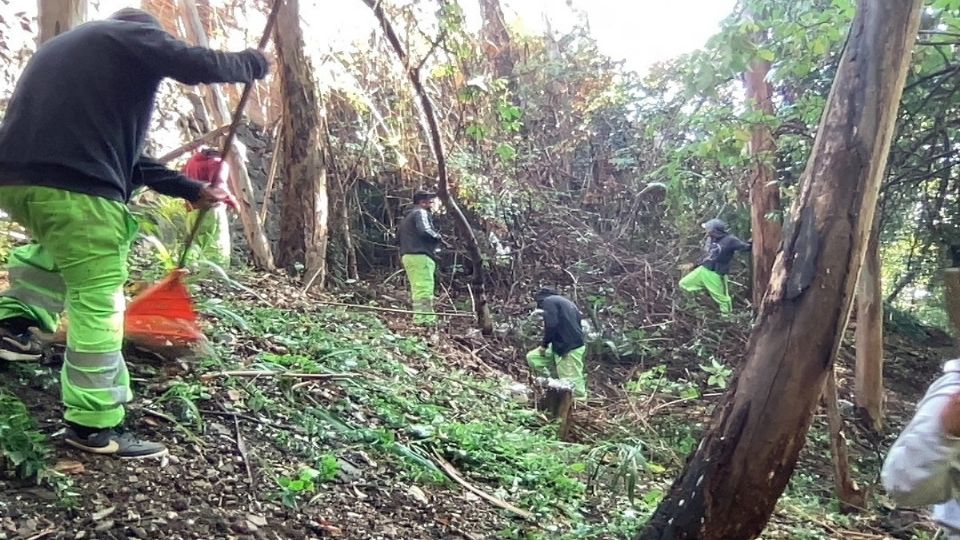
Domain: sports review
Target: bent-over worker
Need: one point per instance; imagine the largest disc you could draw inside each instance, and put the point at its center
(560, 354)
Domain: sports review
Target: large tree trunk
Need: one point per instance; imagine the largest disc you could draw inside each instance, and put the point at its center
(764, 190)
(217, 107)
(304, 211)
(731, 483)
(482, 310)
(57, 16)
(868, 377)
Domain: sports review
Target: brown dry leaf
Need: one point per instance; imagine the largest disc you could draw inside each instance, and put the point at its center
(234, 395)
(330, 529)
(69, 466)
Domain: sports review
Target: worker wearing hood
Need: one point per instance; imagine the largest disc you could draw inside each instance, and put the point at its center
(71, 154)
(719, 248)
(561, 351)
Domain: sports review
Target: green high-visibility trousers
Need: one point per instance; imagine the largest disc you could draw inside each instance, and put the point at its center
(568, 367)
(213, 238)
(715, 284)
(420, 270)
(78, 259)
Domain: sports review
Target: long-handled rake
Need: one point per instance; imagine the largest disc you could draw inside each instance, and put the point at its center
(164, 313)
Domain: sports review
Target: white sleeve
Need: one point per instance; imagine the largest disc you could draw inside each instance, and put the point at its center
(921, 466)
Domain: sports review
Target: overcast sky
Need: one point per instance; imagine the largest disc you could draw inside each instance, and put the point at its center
(641, 32)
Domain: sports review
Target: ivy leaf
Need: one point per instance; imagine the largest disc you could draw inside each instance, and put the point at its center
(506, 152)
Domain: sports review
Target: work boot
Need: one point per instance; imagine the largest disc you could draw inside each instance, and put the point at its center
(112, 442)
(19, 346)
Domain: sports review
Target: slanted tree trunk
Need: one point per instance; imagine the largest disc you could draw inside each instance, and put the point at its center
(851, 497)
(868, 374)
(731, 483)
(304, 210)
(57, 16)
(764, 190)
(484, 320)
(216, 103)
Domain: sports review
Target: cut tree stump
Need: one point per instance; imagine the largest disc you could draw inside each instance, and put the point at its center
(556, 398)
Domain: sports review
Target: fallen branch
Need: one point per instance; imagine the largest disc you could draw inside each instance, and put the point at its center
(280, 374)
(271, 174)
(394, 310)
(194, 144)
(452, 472)
(189, 434)
(242, 448)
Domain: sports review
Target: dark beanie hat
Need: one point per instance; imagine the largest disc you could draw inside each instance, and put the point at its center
(423, 196)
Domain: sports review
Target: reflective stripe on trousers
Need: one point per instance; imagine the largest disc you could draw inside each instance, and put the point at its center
(95, 386)
(37, 289)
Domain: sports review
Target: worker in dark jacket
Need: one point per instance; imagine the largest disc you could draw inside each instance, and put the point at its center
(419, 242)
(719, 249)
(71, 148)
(560, 354)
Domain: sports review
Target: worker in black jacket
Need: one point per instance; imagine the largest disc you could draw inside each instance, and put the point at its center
(419, 242)
(71, 154)
(719, 248)
(560, 354)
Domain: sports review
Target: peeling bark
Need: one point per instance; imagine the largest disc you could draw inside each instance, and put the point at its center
(305, 207)
(764, 190)
(240, 184)
(851, 497)
(868, 374)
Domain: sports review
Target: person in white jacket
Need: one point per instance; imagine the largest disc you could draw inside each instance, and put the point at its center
(923, 466)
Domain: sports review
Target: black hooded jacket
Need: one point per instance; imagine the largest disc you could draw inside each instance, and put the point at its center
(79, 115)
(561, 322)
(719, 249)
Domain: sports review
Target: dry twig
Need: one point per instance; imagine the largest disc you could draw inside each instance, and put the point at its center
(280, 374)
(452, 472)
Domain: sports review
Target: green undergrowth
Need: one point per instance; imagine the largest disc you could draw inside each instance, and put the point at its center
(397, 400)
(26, 452)
(408, 406)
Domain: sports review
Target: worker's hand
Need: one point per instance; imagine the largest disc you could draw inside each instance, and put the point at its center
(268, 59)
(211, 196)
(542, 350)
(950, 417)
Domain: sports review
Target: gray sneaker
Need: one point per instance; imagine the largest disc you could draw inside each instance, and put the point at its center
(114, 442)
(19, 347)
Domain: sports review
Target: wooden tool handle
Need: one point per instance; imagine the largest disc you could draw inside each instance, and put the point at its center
(231, 134)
